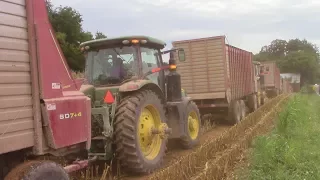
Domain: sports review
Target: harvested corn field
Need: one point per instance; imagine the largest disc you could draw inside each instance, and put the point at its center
(218, 151)
(214, 157)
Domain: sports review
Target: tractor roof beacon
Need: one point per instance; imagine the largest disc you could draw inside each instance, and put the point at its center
(127, 105)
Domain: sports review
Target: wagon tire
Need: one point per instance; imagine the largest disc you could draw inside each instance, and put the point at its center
(234, 112)
(38, 170)
(243, 109)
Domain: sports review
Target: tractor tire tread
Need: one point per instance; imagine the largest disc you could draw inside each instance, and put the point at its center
(185, 140)
(125, 138)
(32, 170)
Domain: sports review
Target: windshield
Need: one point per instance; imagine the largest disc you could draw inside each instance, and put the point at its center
(111, 66)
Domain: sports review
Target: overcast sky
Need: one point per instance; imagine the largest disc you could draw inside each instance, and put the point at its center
(248, 24)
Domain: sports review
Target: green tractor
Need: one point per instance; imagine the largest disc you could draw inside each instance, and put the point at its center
(136, 105)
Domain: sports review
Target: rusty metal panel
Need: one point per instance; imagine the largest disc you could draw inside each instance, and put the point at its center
(268, 68)
(204, 70)
(16, 107)
(271, 75)
(241, 72)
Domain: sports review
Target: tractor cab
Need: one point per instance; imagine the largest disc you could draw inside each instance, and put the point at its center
(112, 62)
(136, 106)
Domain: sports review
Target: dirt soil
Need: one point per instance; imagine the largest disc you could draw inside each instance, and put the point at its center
(175, 153)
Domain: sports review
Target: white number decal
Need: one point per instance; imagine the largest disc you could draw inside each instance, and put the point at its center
(67, 116)
(70, 115)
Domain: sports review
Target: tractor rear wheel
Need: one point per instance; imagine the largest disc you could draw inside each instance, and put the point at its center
(234, 112)
(38, 170)
(140, 132)
(193, 126)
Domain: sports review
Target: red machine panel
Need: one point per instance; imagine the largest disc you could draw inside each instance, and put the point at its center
(68, 121)
(53, 68)
(241, 72)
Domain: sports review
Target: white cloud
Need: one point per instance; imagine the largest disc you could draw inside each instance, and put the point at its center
(248, 24)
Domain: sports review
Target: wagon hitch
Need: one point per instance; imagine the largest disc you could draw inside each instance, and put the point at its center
(77, 165)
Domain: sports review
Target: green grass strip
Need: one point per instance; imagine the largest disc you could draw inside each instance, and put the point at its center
(292, 150)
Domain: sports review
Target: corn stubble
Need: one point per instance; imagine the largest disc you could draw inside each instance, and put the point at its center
(213, 159)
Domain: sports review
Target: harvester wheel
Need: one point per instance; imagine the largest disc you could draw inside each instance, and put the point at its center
(140, 132)
(243, 109)
(38, 170)
(234, 112)
(193, 126)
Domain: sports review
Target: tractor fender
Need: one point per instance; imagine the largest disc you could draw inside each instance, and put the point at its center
(177, 116)
(140, 84)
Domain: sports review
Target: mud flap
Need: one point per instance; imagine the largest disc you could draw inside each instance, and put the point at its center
(176, 117)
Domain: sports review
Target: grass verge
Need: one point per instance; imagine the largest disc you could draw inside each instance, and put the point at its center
(292, 149)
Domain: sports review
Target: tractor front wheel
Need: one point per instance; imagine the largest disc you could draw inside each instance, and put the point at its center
(193, 126)
(140, 132)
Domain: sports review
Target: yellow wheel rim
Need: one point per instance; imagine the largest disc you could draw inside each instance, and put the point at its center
(193, 125)
(150, 144)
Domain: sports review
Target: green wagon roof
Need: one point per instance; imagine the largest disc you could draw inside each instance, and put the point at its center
(110, 41)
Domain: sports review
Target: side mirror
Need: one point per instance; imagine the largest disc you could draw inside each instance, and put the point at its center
(181, 55)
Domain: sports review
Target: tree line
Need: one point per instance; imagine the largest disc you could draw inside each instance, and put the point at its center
(293, 56)
(67, 23)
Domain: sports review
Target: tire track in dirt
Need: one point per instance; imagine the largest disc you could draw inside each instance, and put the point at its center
(190, 163)
(175, 153)
(220, 151)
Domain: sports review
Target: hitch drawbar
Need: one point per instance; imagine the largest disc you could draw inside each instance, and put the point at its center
(77, 165)
(162, 130)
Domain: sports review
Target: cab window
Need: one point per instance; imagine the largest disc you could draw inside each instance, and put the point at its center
(150, 60)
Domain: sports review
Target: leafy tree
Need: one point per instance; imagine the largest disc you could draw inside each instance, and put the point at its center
(301, 62)
(293, 56)
(67, 23)
(100, 35)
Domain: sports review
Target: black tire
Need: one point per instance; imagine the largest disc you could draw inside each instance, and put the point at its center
(38, 170)
(3, 167)
(243, 109)
(234, 113)
(127, 116)
(188, 141)
(253, 102)
(262, 99)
